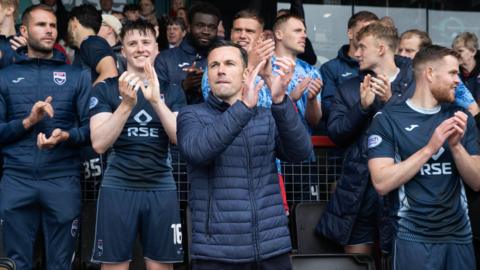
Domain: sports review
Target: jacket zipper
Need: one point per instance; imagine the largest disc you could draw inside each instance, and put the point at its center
(36, 128)
(209, 205)
(252, 201)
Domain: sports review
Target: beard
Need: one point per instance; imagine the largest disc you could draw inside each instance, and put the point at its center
(444, 94)
(36, 45)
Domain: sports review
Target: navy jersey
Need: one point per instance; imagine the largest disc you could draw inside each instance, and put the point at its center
(92, 51)
(431, 207)
(139, 159)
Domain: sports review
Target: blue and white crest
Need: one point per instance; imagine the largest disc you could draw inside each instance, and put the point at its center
(59, 77)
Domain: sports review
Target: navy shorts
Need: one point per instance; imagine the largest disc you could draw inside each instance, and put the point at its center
(409, 255)
(26, 205)
(367, 223)
(122, 213)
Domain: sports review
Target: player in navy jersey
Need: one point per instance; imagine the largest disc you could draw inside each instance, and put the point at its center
(135, 118)
(419, 152)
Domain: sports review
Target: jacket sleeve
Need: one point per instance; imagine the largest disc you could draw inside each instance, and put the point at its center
(10, 131)
(347, 119)
(199, 143)
(293, 143)
(329, 88)
(80, 135)
(161, 68)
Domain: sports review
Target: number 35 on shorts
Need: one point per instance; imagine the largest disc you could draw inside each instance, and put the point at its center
(177, 233)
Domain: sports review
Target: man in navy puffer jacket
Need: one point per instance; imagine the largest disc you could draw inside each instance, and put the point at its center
(230, 146)
(43, 120)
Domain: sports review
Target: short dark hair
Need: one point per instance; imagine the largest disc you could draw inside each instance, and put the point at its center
(284, 18)
(249, 14)
(177, 21)
(380, 31)
(425, 40)
(144, 27)
(27, 13)
(361, 16)
(227, 43)
(204, 8)
(88, 16)
(430, 54)
(131, 7)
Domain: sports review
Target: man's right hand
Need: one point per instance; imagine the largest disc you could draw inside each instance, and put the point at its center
(193, 79)
(39, 109)
(367, 96)
(128, 85)
(18, 42)
(441, 134)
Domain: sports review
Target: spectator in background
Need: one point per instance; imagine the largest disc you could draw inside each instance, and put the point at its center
(412, 41)
(466, 44)
(183, 13)
(131, 12)
(185, 64)
(106, 7)
(174, 6)
(296, 8)
(147, 11)
(110, 31)
(304, 88)
(352, 217)
(176, 31)
(41, 131)
(62, 18)
(93, 51)
(344, 67)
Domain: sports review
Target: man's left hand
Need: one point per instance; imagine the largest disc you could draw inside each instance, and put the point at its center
(55, 138)
(460, 126)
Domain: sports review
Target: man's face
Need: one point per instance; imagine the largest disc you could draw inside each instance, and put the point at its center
(203, 28)
(367, 53)
(226, 72)
(72, 33)
(445, 79)
(246, 32)
(138, 48)
(293, 36)
(175, 34)
(132, 15)
(41, 31)
(146, 7)
(353, 31)
(409, 46)
(106, 4)
(466, 54)
(104, 31)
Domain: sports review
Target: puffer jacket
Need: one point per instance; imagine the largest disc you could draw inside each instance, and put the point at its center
(31, 80)
(237, 212)
(347, 126)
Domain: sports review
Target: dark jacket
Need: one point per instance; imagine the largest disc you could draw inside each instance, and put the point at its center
(237, 211)
(31, 80)
(334, 73)
(472, 79)
(170, 63)
(347, 127)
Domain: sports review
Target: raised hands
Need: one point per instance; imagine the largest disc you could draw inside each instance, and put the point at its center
(39, 110)
(451, 130)
(381, 87)
(151, 92)
(250, 90)
(263, 50)
(278, 84)
(55, 138)
(193, 79)
(128, 85)
(367, 96)
(17, 42)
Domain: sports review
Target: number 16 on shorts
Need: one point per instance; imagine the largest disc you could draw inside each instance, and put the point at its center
(177, 233)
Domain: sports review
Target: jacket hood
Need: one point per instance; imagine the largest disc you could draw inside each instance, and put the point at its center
(57, 58)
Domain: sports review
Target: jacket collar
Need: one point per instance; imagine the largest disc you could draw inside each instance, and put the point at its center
(57, 59)
(343, 56)
(217, 103)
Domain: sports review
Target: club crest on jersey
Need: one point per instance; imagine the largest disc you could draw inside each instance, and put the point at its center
(59, 77)
(374, 141)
